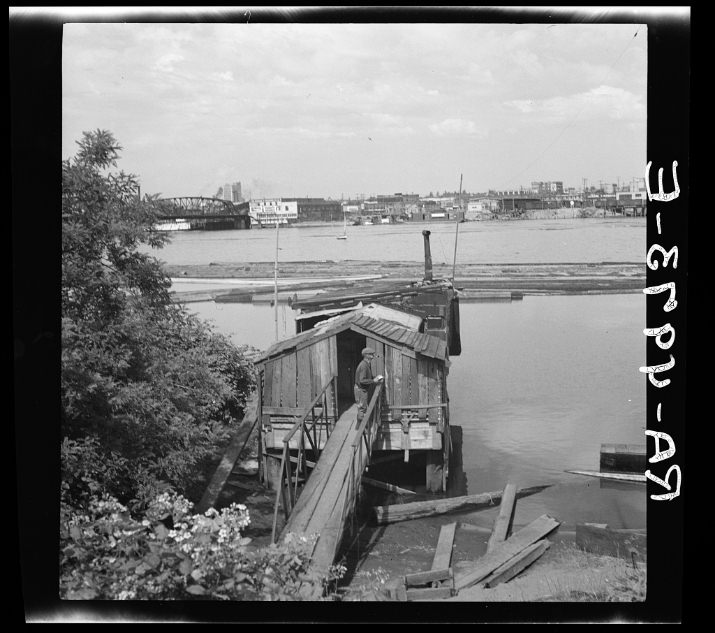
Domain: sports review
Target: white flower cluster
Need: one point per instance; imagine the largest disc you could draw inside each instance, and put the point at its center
(169, 504)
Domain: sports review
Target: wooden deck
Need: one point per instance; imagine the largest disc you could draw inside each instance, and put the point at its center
(324, 504)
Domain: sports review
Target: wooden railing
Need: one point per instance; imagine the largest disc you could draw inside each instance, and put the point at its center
(316, 419)
(361, 447)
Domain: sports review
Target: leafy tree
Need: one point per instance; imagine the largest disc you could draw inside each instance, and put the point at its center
(148, 390)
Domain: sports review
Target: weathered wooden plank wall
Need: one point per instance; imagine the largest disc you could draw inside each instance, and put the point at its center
(288, 380)
(423, 379)
(435, 391)
(315, 374)
(268, 384)
(396, 377)
(303, 395)
(414, 383)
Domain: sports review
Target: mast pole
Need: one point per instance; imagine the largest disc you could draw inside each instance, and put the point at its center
(456, 234)
(275, 280)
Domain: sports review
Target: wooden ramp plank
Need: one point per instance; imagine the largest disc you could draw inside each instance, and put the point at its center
(502, 524)
(330, 534)
(333, 492)
(443, 554)
(311, 495)
(535, 531)
(516, 565)
(228, 461)
(328, 519)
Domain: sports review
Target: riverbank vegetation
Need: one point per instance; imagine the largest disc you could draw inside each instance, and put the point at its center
(149, 392)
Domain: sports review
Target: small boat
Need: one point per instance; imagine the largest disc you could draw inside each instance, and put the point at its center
(632, 477)
(344, 236)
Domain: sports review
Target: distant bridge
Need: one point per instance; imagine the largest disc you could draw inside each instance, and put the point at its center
(204, 213)
(197, 206)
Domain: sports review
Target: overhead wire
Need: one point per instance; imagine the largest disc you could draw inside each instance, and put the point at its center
(578, 113)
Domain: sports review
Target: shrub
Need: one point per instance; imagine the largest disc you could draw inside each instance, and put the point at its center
(168, 553)
(155, 388)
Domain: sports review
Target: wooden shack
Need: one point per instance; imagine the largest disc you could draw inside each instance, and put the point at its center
(314, 370)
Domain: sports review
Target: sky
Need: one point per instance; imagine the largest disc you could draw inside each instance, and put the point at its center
(336, 110)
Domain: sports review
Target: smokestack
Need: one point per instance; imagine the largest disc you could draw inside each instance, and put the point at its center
(428, 257)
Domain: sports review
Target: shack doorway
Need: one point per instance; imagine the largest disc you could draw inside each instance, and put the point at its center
(350, 346)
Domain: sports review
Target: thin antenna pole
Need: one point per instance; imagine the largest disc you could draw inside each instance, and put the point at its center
(275, 280)
(456, 234)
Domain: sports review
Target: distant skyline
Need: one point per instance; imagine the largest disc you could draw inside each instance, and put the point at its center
(341, 109)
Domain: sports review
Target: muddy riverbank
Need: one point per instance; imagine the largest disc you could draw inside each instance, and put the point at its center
(381, 555)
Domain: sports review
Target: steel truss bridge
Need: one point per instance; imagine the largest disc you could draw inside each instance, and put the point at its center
(197, 206)
(204, 213)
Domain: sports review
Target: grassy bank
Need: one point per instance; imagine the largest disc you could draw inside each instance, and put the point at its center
(568, 574)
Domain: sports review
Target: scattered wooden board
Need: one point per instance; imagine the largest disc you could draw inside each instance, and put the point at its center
(502, 524)
(417, 509)
(385, 486)
(426, 577)
(535, 531)
(227, 463)
(631, 477)
(432, 593)
(516, 565)
(443, 554)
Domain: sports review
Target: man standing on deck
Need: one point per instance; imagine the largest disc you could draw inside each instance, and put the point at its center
(364, 382)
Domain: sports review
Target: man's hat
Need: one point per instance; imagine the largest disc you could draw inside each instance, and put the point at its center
(368, 350)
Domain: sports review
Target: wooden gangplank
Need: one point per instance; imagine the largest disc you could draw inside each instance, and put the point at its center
(321, 507)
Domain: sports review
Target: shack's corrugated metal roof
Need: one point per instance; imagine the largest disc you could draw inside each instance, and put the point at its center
(402, 330)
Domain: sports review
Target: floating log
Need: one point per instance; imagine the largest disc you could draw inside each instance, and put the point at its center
(443, 555)
(502, 524)
(631, 477)
(234, 297)
(597, 539)
(516, 565)
(535, 531)
(623, 458)
(417, 509)
(385, 486)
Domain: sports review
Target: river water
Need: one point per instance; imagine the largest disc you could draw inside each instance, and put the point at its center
(545, 241)
(540, 384)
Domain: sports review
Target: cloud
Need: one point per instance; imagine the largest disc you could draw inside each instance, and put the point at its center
(457, 127)
(224, 76)
(600, 103)
(166, 62)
